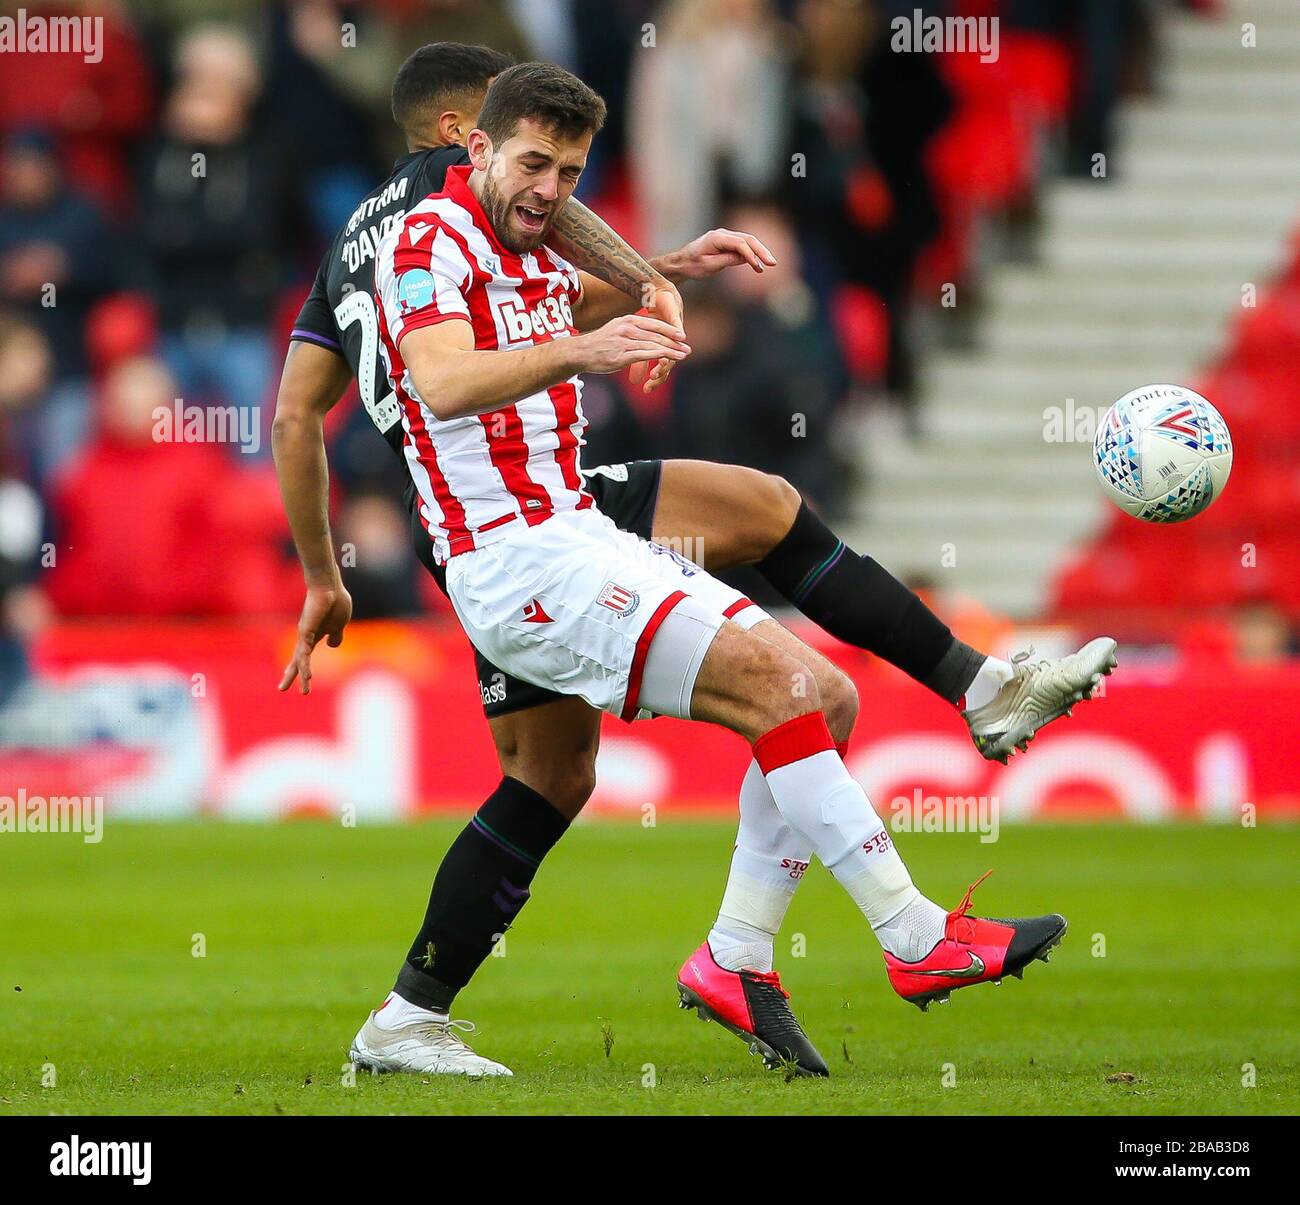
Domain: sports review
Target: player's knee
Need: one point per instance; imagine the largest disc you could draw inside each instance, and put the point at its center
(778, 503)
(839, 697)
(563, 772)
(791, 688)
(566, 783)
(765, 506)
(571, 788)
(784, 688)
(752, 685)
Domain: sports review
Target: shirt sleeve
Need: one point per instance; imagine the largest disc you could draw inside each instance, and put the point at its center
(421, 278)
(315, 322)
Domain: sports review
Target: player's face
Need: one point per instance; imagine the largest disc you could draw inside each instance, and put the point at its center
(527, 180)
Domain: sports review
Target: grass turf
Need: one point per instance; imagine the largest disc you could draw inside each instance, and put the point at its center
(305, 924)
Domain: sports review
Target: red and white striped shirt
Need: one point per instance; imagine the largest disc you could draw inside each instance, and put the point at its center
(477, 475)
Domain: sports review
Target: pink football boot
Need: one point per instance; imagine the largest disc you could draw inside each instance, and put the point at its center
(754, 1006)
(973, 951)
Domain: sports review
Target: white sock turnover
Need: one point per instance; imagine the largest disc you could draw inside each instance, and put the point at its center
(396, 1012)
(989, 679)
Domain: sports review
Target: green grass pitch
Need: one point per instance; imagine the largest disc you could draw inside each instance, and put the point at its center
(305, 924)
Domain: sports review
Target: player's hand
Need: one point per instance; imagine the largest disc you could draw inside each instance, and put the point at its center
(633, 339)
(663, 301)
(717, 250)
(325, 613)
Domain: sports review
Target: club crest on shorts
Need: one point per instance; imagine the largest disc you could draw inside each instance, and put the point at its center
(618, 599)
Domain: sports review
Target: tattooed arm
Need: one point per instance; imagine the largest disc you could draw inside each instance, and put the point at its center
(589, 243)
(596, 248)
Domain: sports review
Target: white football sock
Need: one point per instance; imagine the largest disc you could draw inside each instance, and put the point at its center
(769, 861)
(396, 1012)
(988, 680)
(819, 799)
(915, 931)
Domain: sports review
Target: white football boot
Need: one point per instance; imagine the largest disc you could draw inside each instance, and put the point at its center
(1035, 695)
(423, 1047)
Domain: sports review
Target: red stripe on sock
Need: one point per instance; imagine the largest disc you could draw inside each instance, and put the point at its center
(632, 698)
(735, 609)
(793, 741)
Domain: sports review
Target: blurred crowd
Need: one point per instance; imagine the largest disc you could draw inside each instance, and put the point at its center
(163, 209)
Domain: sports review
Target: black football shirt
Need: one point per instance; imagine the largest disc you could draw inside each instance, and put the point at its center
(340, 311)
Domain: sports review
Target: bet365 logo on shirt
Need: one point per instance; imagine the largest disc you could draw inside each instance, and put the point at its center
(549, 316)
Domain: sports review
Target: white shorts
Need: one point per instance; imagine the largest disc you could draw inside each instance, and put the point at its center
(574, 604)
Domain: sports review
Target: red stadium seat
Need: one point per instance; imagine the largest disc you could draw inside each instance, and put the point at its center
(986, 158)
(1041, 74)
(861, 322)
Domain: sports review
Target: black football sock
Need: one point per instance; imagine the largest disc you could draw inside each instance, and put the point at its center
(480, 887)
(856, 600)
(956, 670)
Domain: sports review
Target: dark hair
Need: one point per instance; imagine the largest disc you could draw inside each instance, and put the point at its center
(548, 94)
(439, 75)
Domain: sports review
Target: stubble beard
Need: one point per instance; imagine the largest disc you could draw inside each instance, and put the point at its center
(498, 208)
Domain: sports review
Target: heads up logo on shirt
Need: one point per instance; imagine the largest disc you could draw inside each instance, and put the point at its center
(414, 290)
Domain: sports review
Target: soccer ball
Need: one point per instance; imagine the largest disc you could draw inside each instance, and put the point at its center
(1163, 453)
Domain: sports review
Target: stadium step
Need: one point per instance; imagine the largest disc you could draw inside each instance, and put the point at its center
(1029, 386)
(1093, 299)
(1136, 213)
(1075, 343)
(1048, 465)
(1180, 126)
(1258, 167)
(1224, 87)
(1136, 252)
(1138, 280)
